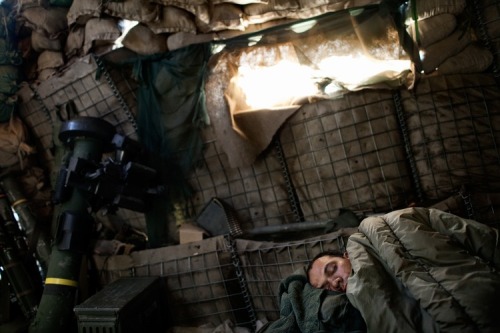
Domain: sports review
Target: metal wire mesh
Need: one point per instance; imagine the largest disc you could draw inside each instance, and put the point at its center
(453, 125)
(218, 279)
(486, 18)
(357, 152)
(257, 193)
(267, 264)
(347, 153)
(343, 153)
(110, 97)
(203, 282)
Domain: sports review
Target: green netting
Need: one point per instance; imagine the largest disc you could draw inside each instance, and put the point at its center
(171, 112)
(9, 59)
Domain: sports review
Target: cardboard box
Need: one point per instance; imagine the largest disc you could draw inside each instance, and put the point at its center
(191, 233)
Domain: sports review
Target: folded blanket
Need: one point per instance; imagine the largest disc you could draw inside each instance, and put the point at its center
(304, 308)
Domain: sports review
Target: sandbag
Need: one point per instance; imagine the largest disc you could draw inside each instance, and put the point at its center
(199, 8)
(238, 2)
(100, 31)
(40, 42)
(432, 29)
(134, 10)
(46, 74)
(473, 59)
(23, 4)
(438, 52)
(265, 12)
(74, 41)
(173, 19)
(491, 13)
(83, 10)
(225, 16)
(51, 20)
(49, 59)
(423, 9)
(142, 40)
(13, 146)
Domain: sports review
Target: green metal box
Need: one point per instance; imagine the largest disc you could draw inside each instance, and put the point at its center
(127, 305)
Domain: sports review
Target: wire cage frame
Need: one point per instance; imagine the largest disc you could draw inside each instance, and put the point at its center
(370, 151)
(220, 278)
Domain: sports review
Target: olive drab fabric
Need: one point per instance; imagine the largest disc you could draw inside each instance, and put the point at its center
(13, 143)
(424, 270)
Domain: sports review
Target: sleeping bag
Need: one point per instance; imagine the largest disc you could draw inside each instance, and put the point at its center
(424, 270)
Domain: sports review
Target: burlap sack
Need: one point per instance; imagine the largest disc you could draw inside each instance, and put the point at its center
(74, 42)
(491, 13)
(173, 19)
(296, 9)
(83, 10)
(238, 2)
(473, 59)
(23, 4)
(142, 40)
(50, 59)
(13, 146)
(427, 8)
(46, 74)
(435, 54)
(432, 29)
(265, 12)
(100, 31)
(225, 16)
(199, 8)
(52, 21)
(40, 42)
(134, 10)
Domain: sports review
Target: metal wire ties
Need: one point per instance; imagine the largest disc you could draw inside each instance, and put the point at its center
(483, 34)
(242, 281)
(466, 197)
(116, 92)
(292, 194)
(409, 154)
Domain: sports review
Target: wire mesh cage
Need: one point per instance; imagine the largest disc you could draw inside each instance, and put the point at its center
(257, 193)
(347, 153)
(84, 89)
(220, 278)
(266, 264)
(203, 283)
(369, 151)
(453, 129)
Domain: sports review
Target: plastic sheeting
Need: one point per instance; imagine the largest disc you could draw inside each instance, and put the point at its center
(268, 76)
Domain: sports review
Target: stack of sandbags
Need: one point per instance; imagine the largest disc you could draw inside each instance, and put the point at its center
(13, 143)
(95, 26)
(60, 31)
(78, 27)
(9, 62)
(446, 43)
(490, 10)
(44, 29)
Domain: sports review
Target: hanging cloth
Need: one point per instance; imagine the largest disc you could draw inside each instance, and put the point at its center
(171, 114)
